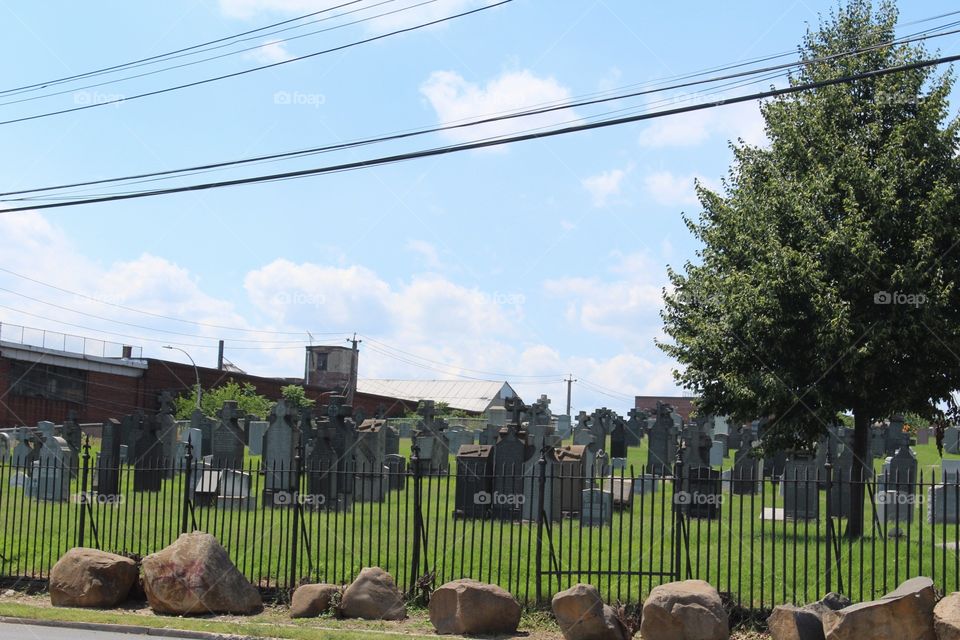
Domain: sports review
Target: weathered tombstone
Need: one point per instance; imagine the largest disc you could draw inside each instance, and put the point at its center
(434, 453)
(951, 440)
(206, 486)
(51, 475)
(371, 481)
(943, 500)
(167, 432)
(330, 458)
(895, 500)
(569, 473)
(148, 464)
(391, 440)
(801, 499)
(718, 450)
(663, 440)
(635, 426)
(74, 438)
(108, 463)
(842, 475)
(204, 446)
(923, 436)
(256, 429)
(509, 455)
(618, 440)
(564, 426)
(26, 451)
(894, 436)
(47, 429)
(233, 491)
(279, 448)
(597, 507)
(5, 448)
(396, 471)
(474, 489)
(746, 465)
(227, 438)
(878, 442)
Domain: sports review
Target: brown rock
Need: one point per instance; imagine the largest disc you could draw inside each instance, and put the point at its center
(91, 578)
(905, 612)
(686, 610)
(946, 617)
(471, 607)
(794, 623)
(310, 600)
(194, 575)
(582, 615)
(373, 596)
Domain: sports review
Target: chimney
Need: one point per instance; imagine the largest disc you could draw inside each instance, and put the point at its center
(127, 352)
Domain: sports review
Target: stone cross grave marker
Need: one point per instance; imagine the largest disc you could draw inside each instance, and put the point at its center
(227, 442)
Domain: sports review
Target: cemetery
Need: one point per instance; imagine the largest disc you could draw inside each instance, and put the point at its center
(621, 502)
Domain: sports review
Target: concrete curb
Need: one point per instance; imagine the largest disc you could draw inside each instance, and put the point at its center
(126, 628)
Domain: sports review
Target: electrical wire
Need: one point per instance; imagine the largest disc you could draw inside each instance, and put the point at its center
(437, 151)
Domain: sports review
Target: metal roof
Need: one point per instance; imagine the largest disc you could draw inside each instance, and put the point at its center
(467, 395)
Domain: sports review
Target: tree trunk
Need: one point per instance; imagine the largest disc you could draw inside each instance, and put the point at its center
(861, 472)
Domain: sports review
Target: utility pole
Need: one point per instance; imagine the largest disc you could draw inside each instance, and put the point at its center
(569, 380)
(220, 357)
(352, 389)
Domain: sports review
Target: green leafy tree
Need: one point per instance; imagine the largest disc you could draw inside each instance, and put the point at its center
(296, 396)
(211, 401)
(827, 278)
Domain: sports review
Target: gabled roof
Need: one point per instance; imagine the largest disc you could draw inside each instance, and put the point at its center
(468, 395)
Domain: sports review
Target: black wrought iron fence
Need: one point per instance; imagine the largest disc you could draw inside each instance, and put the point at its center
(534, 529)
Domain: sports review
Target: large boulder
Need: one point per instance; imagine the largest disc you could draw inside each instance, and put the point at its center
(582, 615)
(788, 622)
(91, 578)
(471, 607)
(194, 575)
(373, 595)
(310, 600)
(946, 617)
(686, 610)
(905, 612)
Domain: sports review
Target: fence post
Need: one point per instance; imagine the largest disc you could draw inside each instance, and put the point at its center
(677, 515)
(417, 518)
(82, 520)
(542, 488)
(187, 478)
(295, 530)
(828, 467)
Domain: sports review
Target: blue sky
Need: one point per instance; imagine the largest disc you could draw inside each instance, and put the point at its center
(537, 260)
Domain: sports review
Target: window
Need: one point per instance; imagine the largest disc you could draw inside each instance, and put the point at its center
(321, 361)
(47, 381)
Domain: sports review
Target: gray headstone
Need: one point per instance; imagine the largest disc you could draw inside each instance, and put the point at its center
(663, 440)
(227, 439)
(597, 507)
(943, 503)
(801, 498)
(255, 436)
(371, 484)
(108, 463)
(5, 448)
(330, 457)
(951, 440)
(51, 475)
(279, 448)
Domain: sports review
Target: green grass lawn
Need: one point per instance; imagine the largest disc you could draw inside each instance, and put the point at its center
(760, 562)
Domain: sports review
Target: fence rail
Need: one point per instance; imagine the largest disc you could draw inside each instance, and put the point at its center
(533, 530)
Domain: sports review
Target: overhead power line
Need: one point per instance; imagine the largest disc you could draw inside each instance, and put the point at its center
(271, 65)
(161, 56)
(588, 100)
(191, 63)
(437, 151)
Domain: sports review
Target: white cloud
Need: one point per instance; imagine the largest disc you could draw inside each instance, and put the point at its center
(669, 189)
(435, 328)
(625, 308)
(455, 100)
(730, 122)
(270, 53)
(604, 186)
